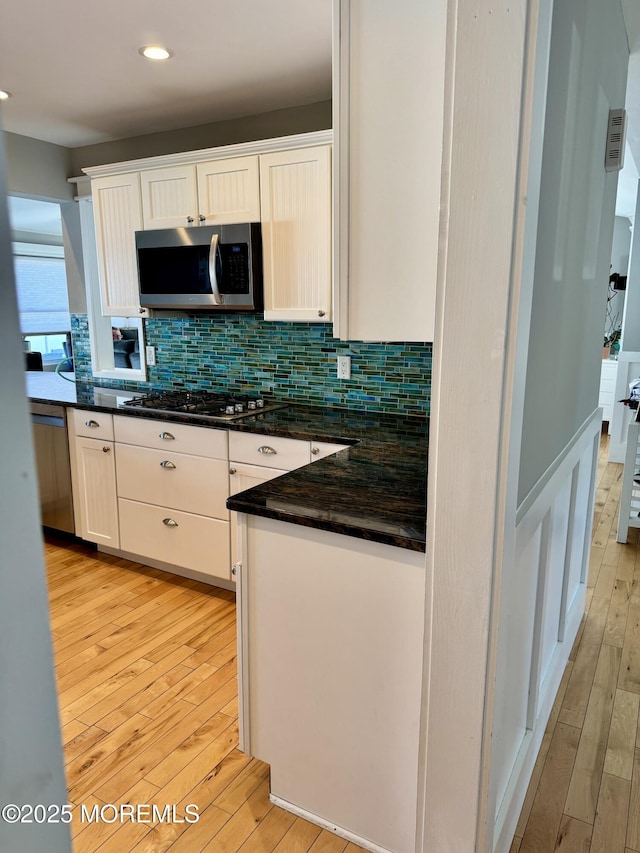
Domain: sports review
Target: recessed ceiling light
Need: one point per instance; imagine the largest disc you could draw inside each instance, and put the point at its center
(155, 51)
(4, 95)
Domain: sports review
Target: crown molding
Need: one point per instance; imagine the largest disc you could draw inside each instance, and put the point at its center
(243, 149)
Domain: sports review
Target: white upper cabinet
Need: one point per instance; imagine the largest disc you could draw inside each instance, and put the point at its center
(229, 191)
(169, 198)
(284, 183)
(388, 97)
(295, 192)
(218, 192)
(117, 210)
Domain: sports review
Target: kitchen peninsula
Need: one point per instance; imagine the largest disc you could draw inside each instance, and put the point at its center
(374, 489)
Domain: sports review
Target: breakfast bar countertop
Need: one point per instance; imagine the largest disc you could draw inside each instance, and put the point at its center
(373, 489)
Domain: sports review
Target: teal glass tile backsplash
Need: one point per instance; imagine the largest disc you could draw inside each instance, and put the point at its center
(294, 361)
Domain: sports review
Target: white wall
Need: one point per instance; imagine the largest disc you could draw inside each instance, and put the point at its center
(31, 769)
(621, 246)
(620, 250)
(589, 67)
(543, 549)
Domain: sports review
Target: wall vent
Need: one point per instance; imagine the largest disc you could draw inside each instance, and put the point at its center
(616, 130)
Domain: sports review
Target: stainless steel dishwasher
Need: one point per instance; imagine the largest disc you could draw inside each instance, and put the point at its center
(49, 424)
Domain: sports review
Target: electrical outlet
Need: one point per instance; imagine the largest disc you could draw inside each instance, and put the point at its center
(150, 355)
(344, 367)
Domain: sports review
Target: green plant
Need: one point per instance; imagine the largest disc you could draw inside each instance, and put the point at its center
(612, 338)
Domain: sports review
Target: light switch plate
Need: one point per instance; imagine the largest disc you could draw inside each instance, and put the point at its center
(150, 355)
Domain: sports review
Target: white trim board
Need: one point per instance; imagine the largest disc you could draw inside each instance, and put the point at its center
(260, 146)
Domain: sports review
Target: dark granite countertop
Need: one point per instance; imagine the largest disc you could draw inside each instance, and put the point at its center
(373, 489)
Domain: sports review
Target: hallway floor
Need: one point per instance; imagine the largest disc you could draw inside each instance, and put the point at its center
(584, 794)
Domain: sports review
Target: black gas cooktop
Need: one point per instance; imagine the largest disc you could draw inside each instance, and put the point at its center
(208, 405)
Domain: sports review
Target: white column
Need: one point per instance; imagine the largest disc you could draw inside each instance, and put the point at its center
(31, 768)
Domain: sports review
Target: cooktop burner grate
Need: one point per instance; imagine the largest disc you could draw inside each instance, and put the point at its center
(208, 405)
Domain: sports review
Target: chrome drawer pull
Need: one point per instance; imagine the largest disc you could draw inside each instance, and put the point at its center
(92, 424)
(169, 522)
(167, 464)
(266, 449)
(315, 450)
(167, 436)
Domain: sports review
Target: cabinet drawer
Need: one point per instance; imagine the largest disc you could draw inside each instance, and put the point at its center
(179, 538)
(177, 480)
(179, 438)
(268, 450)
(93, 424)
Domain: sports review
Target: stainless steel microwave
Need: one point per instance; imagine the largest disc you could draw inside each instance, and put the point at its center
(204, 268)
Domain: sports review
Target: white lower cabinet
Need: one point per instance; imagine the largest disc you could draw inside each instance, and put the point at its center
(93, 477)
(182, 539)
(255, 459)
(173, 484)
(330, 677)
(242, 477)
(158, 490)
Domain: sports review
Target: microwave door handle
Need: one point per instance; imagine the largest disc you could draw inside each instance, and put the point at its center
(214, 251)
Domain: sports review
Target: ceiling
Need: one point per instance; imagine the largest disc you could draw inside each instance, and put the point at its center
(77, 78)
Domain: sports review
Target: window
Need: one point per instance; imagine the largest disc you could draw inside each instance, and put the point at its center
(43, 302)
(117, 343)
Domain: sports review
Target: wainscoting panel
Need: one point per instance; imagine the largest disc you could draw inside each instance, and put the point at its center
(541, 606)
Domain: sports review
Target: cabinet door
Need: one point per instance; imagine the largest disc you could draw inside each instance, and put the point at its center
(169, 197)
(228, 191)
(117, 210)
(388, 131)
(94, 490)
(243, 477)
(295, 199)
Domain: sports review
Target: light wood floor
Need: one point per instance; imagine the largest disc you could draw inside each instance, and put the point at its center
(585, 790)
(146, 673)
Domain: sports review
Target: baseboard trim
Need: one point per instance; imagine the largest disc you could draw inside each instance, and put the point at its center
(325, 824)
(169, 567)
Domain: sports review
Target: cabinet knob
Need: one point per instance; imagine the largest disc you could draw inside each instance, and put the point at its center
(93, 424)
(189, 220)
(167, 464)
(106, 449)
(233, 470)
(321, 313)
(315, 450)
(141, 310)
(202, 218)
(166, 436)
(170, 522)
(267, 450)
